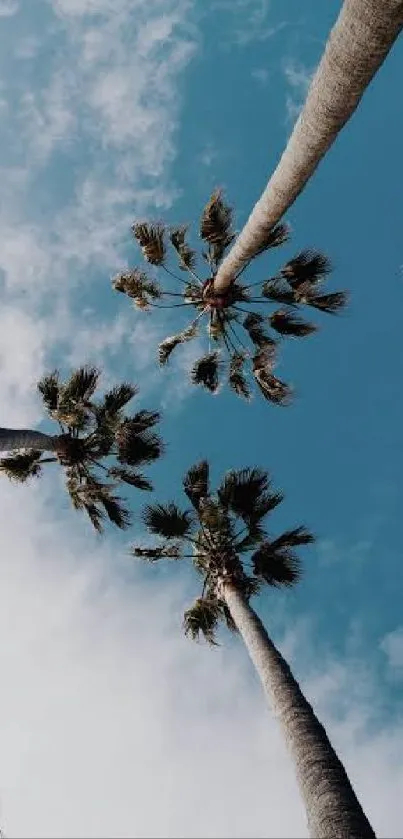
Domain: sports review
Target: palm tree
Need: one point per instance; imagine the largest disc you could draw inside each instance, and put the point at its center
(238, 341)
(364, 33)
(225, 537)
(98, 446)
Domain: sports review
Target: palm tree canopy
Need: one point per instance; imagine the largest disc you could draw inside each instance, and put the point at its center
(98, 445)
(242, 337)
(359, 42)
(226, 539)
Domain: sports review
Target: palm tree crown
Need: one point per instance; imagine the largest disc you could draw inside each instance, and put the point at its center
(228, 541)
(98, 446)
(242, 336)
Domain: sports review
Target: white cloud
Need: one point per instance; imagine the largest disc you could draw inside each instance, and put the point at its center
(298, 78)
(392, 646)
(8, 8)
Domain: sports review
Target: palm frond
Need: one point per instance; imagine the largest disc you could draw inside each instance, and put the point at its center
(151, 240)
(144, 420)
(277, 235)
(241, 490)
(160, 552)
(168, 345)
(202, 619)
(117, 513)
(216, 225)
(291, 538)
(272, 388)
(81, 386)
(167, 520)
(21, 467)
(330, 303)
(229, 620)
(236, 378)
(276, 290)
(309, 266)
(196, 483)
(130, 477)
(286, 323)
(253, 324)
(117, 398)
(49, 387)
(205, 372)
(187, 256)
(141, 288)
(276, 569)
(137, 448)
(192, 293)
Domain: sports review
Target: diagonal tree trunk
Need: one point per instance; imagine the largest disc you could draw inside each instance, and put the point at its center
(358, 44)
(13, 439)
(332, 807)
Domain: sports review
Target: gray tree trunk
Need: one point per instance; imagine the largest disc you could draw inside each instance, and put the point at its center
(332, 807)
(357, 46)
(13, 439)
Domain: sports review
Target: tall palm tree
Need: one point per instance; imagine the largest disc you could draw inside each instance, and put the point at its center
(225, 537)
(364, 33)
(239, 343)
(98, 446)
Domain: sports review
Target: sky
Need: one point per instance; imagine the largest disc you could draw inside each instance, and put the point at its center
(112, 723)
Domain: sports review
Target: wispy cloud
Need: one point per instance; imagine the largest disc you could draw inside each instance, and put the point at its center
(298, 78)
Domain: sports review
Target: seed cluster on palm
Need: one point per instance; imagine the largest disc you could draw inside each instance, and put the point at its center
(243, 337)
(228, 542)
(98, 445)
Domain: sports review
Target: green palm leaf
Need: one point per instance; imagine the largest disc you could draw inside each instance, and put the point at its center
(276, 569)
(287, 323)
(130, 477)
(330, 303)
(136, 448)
(292, 538)
(49, 388)
(202, 619)
(309, 266)
(21, 467)
(117, 398)
(243, 491)
(277, 291)
(167, 520)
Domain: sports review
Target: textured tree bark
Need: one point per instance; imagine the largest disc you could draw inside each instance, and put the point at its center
(364, 33)
(13, 439)
(332, 807)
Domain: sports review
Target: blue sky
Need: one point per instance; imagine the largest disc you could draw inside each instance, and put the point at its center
(116, 110)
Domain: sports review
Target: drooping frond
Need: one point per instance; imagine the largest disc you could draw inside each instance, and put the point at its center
(187, 256)
(97, 500)
(160, 552)
(276, 236)
(168, 345)
(130, 477)
(274, 568)
(21, 467)
(167, 520)
(276, 290)
(49, 387)
(309, 266)
(253, 324)
(205, 372)
(286, 323)
(141, 288)
(196, 483)
(330, 303)
(136, 448)
(202, 619)
(236, 377)
(291, 538)
(216, 225)
(272, 388)
(151, 240)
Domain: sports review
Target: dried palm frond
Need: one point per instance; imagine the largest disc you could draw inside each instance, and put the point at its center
(167, 346)
(277, 235)
(253, 324)
(160, 552)
(236, 378)
(205, 372)
(202, 619)
(216, 225)
(196, 483)
(81, 385)
(151, 240)
(330, 303)
(141, 288)
(21, 467)
(131, 477)
(276, 290)
(286, 323)
(167, 520)
(273, 389)
(49, 388)
(216, 326)
(307, 265)
(186, 255)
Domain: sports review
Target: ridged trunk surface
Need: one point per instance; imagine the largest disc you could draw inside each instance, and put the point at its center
(332, 808)
(358, 44)
(12, 439)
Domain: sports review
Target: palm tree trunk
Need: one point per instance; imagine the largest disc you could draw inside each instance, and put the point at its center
(357, 46)
(13, 439)
(332, 807)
